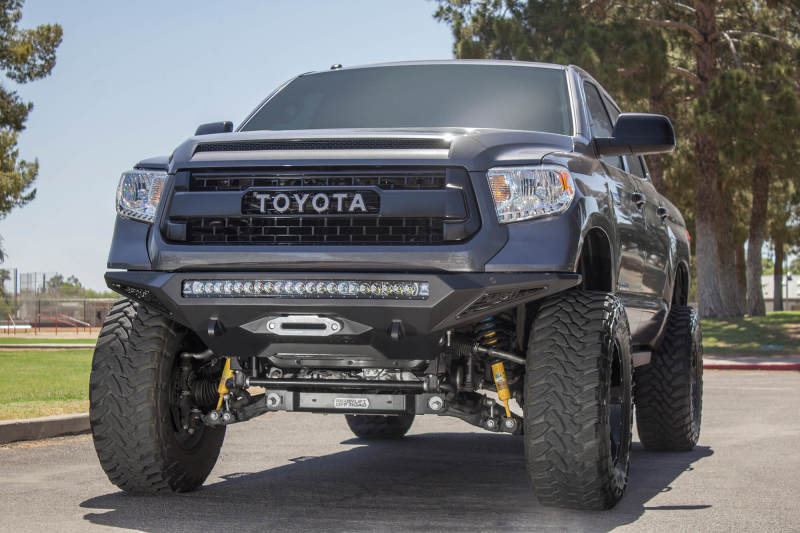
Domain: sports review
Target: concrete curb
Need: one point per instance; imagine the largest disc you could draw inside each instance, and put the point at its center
(47, 346)
(743, 365)
(43, 428)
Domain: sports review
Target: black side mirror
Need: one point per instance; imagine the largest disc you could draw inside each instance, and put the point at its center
(214, 127)
(638, 133)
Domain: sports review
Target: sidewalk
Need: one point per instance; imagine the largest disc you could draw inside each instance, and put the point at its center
(774, 362)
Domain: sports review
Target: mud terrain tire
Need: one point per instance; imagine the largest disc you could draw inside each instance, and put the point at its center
(137, 442)
(578, 401)
(669, 391)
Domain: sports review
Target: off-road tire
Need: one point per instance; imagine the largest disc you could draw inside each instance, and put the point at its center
(579, 352)
(669, 391)
(129, 406)
(379, 427)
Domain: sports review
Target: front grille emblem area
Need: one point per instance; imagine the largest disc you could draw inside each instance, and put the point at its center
(273, 203)
(337, 206)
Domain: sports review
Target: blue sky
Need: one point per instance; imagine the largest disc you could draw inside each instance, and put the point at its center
(134, 79)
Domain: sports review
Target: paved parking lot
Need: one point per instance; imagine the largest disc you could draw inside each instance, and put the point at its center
(287, 472)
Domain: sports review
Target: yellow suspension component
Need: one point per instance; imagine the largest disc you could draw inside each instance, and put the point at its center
(499, 374)
(227, 374)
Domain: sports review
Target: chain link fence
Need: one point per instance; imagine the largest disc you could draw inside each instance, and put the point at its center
(27, 300)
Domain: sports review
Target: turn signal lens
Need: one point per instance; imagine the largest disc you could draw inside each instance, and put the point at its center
(501, 190)
(522, 193)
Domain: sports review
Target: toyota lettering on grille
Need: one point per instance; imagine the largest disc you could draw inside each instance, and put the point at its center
(310, 203)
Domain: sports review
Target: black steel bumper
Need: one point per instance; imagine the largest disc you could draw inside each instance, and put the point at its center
(376, 333)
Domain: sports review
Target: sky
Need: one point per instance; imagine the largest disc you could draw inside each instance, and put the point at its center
(133, 79)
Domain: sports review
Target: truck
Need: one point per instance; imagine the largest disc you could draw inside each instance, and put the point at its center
(476, 239)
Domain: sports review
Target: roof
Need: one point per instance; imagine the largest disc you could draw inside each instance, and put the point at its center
(446, 62)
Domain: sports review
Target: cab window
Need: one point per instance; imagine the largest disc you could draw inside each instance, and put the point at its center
(636, 166)
(600, 122)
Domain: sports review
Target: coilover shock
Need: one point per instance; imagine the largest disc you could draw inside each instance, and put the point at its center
(485, 332)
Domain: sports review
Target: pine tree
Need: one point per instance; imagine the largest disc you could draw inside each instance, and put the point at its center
(669, 57)
(25, 55)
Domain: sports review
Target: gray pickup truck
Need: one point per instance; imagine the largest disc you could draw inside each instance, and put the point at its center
(476, 239)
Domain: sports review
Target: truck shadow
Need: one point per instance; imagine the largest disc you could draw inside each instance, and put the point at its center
(434, 481)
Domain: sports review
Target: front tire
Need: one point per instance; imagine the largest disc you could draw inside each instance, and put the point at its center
(669, 391)
(379, 427)
(138, 441)
(578, 401)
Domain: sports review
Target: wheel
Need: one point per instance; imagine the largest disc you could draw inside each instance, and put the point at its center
(669, 391)
(578, 401)
(373, 427)
(132, 405)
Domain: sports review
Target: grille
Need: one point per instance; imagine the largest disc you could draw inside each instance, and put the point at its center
(326, 144)
(359, 230)
(401, 180)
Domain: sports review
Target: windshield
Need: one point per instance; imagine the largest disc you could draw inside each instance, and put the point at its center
(422, 96)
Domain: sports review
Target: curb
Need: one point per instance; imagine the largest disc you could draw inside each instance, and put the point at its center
(43, 428)
(765, 365)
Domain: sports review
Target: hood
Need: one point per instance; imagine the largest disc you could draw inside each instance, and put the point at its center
(475, 149)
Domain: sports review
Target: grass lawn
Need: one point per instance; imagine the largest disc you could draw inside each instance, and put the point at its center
(775, 334)
(42, 383)
(45, 340)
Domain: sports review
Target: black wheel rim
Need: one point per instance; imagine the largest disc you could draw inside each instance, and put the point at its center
(619, 412)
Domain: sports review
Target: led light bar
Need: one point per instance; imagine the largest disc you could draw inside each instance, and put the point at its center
(305, 288)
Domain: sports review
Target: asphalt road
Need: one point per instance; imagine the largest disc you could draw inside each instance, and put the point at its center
(287, 472)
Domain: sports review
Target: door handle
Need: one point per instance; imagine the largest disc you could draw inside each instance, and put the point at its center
(662, 212)
(638, 199)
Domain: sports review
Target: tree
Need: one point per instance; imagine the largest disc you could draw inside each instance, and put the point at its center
(784, 228)
(794, 265)
(760, 105)
(71, 287)
(768, 265)
(674, 63)
(25, 55)
(6, 305)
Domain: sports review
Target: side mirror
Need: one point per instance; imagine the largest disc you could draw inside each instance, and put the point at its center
(638, 133)
(214, 127)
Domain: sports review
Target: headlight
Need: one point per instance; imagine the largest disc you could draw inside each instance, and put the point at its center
(139, 192)
(521, 193)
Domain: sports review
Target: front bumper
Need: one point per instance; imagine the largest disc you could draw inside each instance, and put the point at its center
(377, 333)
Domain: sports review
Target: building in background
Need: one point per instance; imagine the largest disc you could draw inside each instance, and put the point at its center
(790, 291)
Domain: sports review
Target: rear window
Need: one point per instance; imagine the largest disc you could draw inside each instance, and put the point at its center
(422, 96)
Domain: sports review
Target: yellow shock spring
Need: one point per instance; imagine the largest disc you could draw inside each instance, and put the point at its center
(500, 383)
(226, 375)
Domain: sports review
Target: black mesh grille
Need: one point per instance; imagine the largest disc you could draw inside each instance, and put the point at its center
(326, 144)
(366, 230)
(417, 180)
